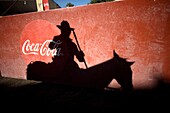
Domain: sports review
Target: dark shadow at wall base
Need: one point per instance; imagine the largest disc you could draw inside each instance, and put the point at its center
(56, 97)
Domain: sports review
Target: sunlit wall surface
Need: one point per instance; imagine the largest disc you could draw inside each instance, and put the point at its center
(137, 30)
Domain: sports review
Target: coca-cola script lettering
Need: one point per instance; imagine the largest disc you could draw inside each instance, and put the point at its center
(41, 48)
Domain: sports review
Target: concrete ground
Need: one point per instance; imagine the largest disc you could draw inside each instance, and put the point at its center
(18, 94)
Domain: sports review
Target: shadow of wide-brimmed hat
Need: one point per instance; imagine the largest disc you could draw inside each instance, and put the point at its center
(64, 25)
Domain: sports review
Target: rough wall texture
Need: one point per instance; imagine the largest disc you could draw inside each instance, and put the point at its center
(137, 30)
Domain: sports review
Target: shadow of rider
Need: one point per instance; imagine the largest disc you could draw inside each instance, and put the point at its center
(66, 49)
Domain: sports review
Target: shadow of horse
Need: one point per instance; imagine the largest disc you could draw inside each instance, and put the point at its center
(97, 76)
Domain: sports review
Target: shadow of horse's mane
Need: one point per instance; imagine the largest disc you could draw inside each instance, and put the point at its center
(97, 76)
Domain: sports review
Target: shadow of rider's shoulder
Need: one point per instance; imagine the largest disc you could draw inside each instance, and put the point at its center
(57, 37)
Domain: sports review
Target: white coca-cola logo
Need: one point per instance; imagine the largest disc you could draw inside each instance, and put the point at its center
(42, 49)
(35, 39)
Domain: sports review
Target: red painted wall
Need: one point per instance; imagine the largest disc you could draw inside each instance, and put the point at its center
(137, 30)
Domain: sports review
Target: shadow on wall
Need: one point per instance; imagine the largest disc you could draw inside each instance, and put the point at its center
(63, 69)
(98, 76)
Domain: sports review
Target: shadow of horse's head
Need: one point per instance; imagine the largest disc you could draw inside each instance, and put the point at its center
(123, 71)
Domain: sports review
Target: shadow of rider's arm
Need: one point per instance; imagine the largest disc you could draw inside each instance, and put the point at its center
(80, 56)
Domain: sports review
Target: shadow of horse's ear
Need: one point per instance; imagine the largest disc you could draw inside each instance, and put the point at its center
(115, 54)
(130, 63)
